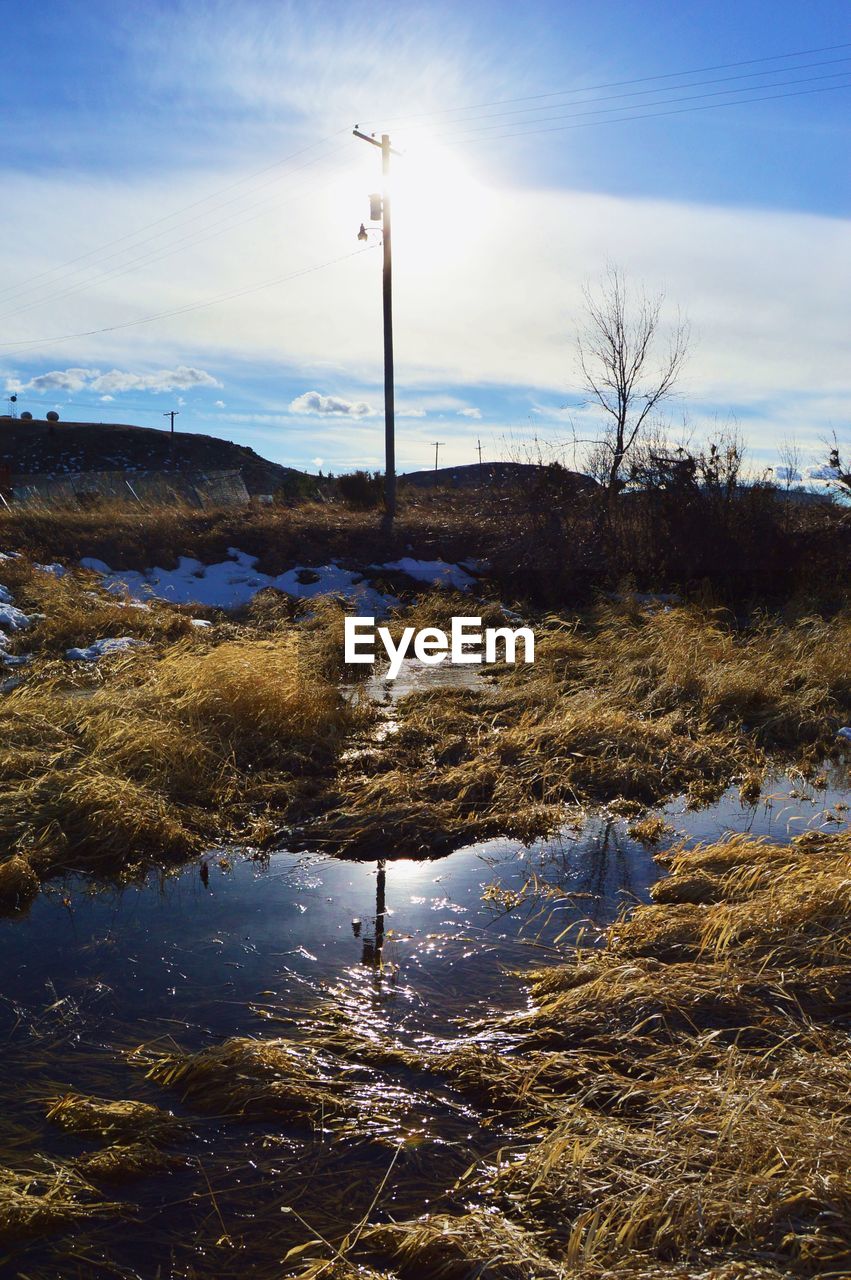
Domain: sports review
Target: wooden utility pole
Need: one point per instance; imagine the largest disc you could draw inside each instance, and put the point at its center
(172, 414)
(437, 444)
(479, 447)
(387, 294)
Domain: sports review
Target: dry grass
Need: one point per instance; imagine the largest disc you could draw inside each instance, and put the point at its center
(117, 1120)
(660, 1116)
(126, 1162)
(135, 767)
(18, 884)
(452, 527)
(247, 1077)
(39, 1204)
(73, 611)
(627, 705)
(457, 1248)
(650, 830)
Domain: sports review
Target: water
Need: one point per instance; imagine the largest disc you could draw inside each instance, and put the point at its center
(236, 946)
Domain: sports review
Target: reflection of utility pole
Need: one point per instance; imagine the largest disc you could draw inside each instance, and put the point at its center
(437, 444)
(387, 292)
(373, 946)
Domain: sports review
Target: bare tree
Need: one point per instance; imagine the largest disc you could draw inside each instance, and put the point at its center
(622, 367)
(789, 473)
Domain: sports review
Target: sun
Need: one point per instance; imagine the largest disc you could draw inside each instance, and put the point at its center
(439, 206)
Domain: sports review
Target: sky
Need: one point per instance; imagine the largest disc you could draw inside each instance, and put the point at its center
(182, 194)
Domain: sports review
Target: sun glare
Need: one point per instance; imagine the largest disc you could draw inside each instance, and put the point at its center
(439, 205)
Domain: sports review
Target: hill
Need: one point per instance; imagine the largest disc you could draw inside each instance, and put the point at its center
(491, 473)
(37, 447)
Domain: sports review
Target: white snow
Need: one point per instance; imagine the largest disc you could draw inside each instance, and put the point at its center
(12, 619)
(58, 570)
(94, 651)
(436, 572)
(234, 582)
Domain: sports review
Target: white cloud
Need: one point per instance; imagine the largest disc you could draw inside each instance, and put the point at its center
(183, 378)
(57, 380)
(106, 399)
(72, 380)
(821, 473)
(411, 413)
(317, 462)
(768, 307)
(470, 413)
(218, 404)
(314, 402)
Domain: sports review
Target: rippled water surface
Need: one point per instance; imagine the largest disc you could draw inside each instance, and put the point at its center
(229, 945)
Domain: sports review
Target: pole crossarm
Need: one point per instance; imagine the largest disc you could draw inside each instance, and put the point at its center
(376, 142)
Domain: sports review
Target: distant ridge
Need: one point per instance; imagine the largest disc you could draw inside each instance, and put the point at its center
(33, 446)
(494, 473)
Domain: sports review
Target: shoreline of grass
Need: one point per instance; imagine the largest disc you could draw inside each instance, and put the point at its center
(241, 731)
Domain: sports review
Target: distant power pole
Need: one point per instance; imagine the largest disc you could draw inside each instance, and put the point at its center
(479, 447)
(387, 293)
(437, 444)
(172, 414)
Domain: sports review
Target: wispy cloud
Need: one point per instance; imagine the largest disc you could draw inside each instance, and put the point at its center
(470, 413)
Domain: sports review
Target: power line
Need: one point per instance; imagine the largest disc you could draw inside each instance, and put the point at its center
(664, 89)
(617, 84)
(216, 228)
(694, 97)
(15, 290)
(209, 233)
(175, 213)
(196, 306)
(475, 135)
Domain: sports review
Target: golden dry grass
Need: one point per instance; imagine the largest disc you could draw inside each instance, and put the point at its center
(626, 705)
(250, 1077)
(115, 1119)
(40, 1203)
(659, 1116)
(165, 747)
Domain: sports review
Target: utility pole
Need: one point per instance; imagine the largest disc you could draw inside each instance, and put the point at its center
(437, 444)
(479, 447)
(387, 294)
(172, 414)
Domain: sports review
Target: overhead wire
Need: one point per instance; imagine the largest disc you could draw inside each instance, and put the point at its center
(617, 84)
(665, 89)
(156, 255)
(504, 130)
(176, 212)
(520, 132)
(220, 227)
(195, 306)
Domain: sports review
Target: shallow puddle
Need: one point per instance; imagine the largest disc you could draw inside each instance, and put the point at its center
(233, 946)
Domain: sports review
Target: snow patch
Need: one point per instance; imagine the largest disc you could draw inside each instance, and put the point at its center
(232, 583)
(92, 652)
(436, 572)
(12, 619)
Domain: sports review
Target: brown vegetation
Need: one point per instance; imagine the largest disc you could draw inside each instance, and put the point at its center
(662, 1117)
(626, 702)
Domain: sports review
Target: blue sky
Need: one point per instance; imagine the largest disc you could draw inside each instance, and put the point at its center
(132, 134)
